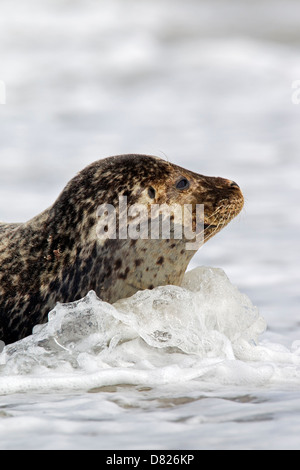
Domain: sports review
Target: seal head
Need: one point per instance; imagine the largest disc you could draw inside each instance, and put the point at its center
(59, 256)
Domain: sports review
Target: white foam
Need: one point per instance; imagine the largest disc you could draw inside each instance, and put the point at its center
(205, 330)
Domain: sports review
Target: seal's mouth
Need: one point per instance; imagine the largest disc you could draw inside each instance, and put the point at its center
(206, 226)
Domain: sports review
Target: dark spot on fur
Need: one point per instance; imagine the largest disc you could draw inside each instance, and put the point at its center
(125, 274)
(160, 260)
(118, 264)
(91, 222)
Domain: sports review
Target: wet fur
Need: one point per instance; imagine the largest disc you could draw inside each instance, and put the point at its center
(57, 256)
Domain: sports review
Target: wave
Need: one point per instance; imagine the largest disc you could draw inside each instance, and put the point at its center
(205, 331)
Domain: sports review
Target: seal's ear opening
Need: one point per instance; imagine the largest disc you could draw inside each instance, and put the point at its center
(151, 192)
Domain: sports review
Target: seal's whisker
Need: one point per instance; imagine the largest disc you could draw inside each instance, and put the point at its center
(216, 212)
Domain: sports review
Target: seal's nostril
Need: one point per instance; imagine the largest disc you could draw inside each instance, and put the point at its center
(233, 184)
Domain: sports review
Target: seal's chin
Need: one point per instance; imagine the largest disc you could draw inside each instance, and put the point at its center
(220, 218)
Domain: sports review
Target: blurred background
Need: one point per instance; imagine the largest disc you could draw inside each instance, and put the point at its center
(204, 83)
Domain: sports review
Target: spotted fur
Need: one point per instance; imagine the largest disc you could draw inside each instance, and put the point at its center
(57, 256)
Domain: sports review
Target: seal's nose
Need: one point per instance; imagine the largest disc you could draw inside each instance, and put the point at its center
(233, 184)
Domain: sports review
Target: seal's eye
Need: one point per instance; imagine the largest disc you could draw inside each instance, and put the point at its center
(183, 183)
(151, 192)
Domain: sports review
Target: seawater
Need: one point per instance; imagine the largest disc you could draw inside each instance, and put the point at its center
(172, 351)
(207, 85)
(165, 336)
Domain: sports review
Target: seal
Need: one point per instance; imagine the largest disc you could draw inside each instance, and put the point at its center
(58, 256)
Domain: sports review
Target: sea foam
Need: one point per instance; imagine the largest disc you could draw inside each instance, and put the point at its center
(205, 330)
